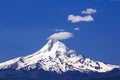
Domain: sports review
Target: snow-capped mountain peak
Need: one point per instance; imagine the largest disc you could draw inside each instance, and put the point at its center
(56, 56)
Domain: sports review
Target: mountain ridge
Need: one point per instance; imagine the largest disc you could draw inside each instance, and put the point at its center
(56, 56)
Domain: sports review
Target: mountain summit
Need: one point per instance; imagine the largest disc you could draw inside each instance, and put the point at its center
(56, 56)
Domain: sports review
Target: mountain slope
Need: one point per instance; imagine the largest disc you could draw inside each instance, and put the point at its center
(56, 56)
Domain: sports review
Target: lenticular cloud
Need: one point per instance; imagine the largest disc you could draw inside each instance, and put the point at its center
(61, 35)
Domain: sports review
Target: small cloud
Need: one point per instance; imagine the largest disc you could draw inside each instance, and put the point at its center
(77, 29)
(76, 18)
(89, 11)
(59, 30)
(61, 35)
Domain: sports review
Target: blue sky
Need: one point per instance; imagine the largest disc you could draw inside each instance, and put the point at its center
(25, 26)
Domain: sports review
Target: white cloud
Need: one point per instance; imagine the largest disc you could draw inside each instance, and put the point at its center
(89, 11)
(77, 18)
(76, 29)
(61, 35)
(57, 30)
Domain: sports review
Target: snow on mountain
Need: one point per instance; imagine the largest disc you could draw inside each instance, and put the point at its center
(55, 56)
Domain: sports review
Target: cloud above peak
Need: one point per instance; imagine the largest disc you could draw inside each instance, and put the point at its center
(89, 11)
(77, 29)
(59, 30)
(61, 35)
(76, 18)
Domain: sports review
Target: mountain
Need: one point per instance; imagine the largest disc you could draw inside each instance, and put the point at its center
(55, 58)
